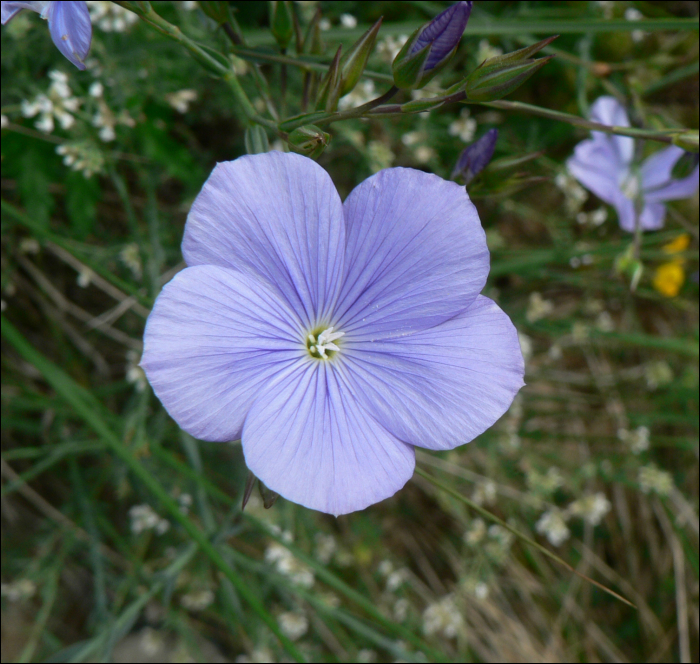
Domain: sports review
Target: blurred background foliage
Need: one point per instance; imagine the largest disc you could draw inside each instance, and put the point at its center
(123, 538)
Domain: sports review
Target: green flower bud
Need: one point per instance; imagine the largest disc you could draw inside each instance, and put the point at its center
(281, 23)
(491, 82)
(309, 140)
(353, 63)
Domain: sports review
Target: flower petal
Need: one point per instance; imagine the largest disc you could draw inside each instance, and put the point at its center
(416, 255)
(597, 166)
(71, 30)
(441, 387)
(652, 217)
(9, 9)
(657, 181)
(609, 111)
(214, 337)
(276, 216)
(307, 439)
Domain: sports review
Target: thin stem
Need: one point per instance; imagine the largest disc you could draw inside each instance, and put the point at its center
(492, 517)
(366, 109)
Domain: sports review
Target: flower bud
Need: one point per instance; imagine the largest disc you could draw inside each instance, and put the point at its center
(430, 48)
(256, 140)
(354, 61)
(309, 140)
(329, 90)
(215, 11)
(491, 82)
(281, 23)
(475, 157)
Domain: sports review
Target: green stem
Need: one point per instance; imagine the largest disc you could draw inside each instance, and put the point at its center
(492, 517)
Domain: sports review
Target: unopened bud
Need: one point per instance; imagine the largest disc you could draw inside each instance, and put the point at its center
(475, 157)
(492, 82)
(281, 23)
(309, 140)
(430, 48)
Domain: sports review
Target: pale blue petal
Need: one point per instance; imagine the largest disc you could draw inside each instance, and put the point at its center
(215, 337)
(308, 439)
(625, 213)
(597, 166)
(652, 217)
(656, 169)
(609, 111)
(276, 216)
(71, 30)
(416, 255)
(675, 189)
(444, 386)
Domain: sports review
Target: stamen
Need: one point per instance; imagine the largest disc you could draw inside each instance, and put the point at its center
(318, 347)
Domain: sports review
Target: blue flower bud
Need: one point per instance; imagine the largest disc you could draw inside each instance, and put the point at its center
(443, 33)
(475, 157)
(430, 48)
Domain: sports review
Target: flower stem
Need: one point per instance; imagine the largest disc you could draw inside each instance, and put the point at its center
(492, 517)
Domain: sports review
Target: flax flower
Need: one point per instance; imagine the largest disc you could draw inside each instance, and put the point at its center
(331, 338)
(605, 165)
(69, 25)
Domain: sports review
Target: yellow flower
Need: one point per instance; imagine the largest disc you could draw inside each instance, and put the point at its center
(669, 278)
(681, 243)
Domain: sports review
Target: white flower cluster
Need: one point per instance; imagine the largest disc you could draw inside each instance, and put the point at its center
(285, 563)
(637, 441)
(104, 119)
(18, 591)
(486, 51)
(258, 656)
(134, 373)
(443, 618)
(654, 480)
(657, 374)
(553, 526)
(57, 104)
(293, 624)
(574, 194)
(544, 484)
(131, 257)
(363, 92)
(181, 99)
(326, 547)
(143, 518)
(484, 493)
(594, 217)
(416, 141)
(591, 508)
(197, 600)
(110, 17)
(389, 47)
(82, 156)
(538, 308)
(464, 126)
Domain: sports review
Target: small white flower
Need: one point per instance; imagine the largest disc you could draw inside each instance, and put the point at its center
(181, 99)
(326, 546)
(443, 618)
(655, 480)
(538, 308)
(464, 126)
(590, 508)
(637, 440)
(197, 600)
(293, 625)
(348, 21)
(552, 525)
(96, 89)
(324, 24)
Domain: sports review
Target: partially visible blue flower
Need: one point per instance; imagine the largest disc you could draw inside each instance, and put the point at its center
(475, 157)
(69, 25)
(443, 33)
(331, 338)
(604, 164)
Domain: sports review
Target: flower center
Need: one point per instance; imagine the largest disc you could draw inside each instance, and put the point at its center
(631, 186)
(320, 344)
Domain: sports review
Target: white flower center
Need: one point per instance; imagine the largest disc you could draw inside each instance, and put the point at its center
(318, 346)
(631, 186)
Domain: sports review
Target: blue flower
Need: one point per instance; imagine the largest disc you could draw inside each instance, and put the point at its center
(69, 25)
(604, 164)
(331, 338)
